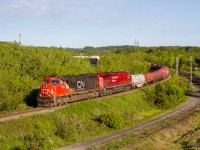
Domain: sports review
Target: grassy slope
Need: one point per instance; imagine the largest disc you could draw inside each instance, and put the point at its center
(162, 140)
(74, 123)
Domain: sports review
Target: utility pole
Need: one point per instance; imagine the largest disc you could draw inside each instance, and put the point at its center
(19, 38)
(191, 68)
(177, 65)
(135, 43)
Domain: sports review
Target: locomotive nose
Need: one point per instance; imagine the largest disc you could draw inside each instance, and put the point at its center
(47, 90)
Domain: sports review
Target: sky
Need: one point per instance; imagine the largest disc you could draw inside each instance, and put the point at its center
(80, 23)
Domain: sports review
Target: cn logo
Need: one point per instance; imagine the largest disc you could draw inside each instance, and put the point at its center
(48, 92)
(80, 84)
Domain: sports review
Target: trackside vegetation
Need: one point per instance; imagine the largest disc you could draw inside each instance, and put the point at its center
(170, 93)
(23, 67)
(88, 119)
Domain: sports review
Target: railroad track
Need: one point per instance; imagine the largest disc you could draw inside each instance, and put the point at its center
(41, 110)
(168, 123)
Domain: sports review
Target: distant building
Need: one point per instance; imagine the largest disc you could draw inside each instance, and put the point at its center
(93, 59)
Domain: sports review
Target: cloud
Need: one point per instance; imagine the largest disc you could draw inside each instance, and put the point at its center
(23, 6)
(43, 7)
(56, 9)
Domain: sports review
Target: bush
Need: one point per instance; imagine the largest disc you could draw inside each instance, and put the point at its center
(169, 94)
(112, 120)
(37, 139)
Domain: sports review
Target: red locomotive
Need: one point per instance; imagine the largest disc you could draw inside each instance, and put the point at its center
(63, 89)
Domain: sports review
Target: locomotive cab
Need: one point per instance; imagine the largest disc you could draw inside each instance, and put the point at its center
(54, 86)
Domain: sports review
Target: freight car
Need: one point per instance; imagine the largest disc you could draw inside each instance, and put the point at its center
(161, 72)
(60, 90)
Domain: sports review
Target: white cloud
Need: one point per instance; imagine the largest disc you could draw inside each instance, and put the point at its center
(43, 7)
(54, 8)
(23, 6)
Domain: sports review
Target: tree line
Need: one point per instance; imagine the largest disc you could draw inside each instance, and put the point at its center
(23, 67)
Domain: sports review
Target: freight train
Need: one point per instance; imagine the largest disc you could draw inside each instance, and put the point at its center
(60, 90)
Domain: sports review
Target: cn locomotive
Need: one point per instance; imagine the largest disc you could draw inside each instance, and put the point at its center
(60, 90)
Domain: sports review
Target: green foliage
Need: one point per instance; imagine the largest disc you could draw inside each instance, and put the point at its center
(196, 73)
(115, 62)
(36, 140)
(68, 127)
(197, 118)
(186, 145)
(169, 93)
(112, 120)
(23, 67)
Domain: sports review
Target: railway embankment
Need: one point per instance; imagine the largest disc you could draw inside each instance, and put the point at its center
(87, 120)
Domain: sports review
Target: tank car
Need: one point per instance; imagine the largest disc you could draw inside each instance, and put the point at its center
(164, 72)
(149, 77)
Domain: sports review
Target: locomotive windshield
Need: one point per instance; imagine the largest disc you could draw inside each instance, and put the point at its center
(54, 81)
(51, 82)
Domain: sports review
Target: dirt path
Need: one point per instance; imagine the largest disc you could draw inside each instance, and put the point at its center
(193, 102)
